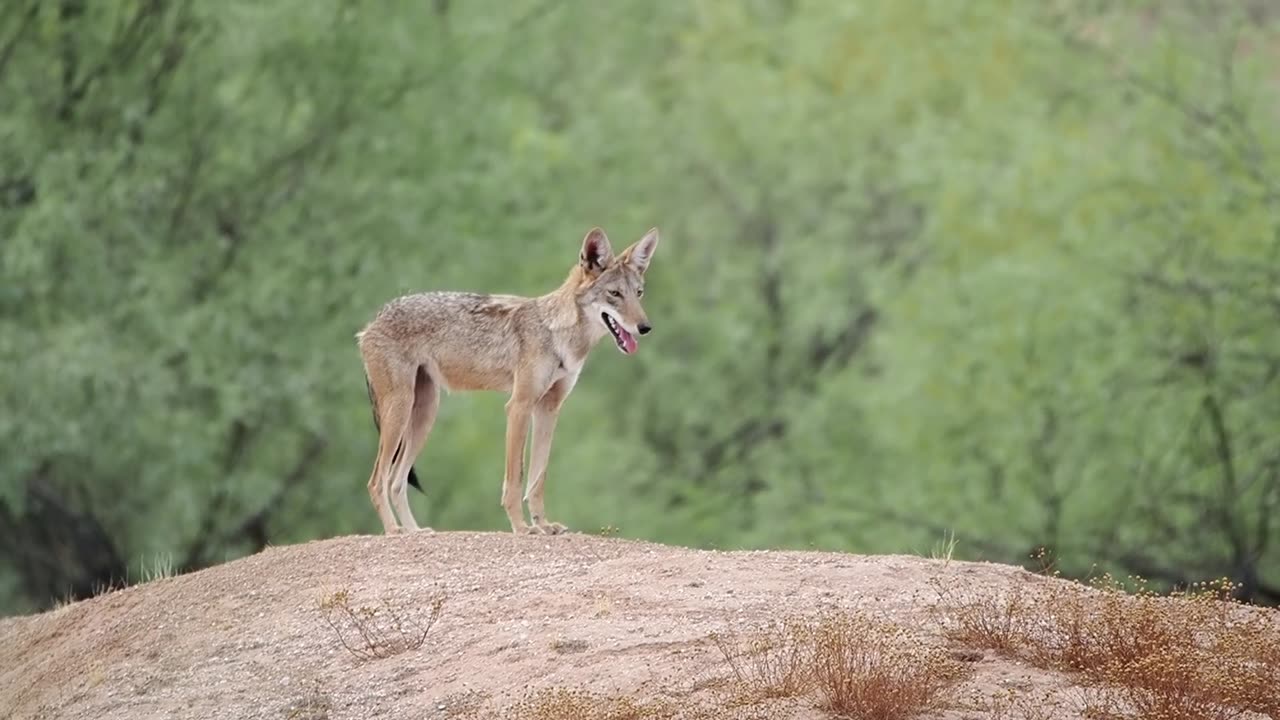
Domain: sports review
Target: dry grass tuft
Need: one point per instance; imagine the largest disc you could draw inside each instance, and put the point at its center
(568, 647)
(1193, 654)
(468, 704)
(856, 666)
(314, 704)
(559, 703)
(577, 704)
(944, 549)
(378, 631)
(1012, 705)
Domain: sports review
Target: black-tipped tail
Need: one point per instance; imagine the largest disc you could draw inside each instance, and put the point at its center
(373, 402)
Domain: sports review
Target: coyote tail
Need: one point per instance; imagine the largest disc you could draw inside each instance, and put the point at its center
(373, 402)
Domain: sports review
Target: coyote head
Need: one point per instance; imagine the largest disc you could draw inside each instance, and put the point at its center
(614, 285)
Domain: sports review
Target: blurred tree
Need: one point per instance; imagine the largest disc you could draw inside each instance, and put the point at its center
(171, 167)
(1108, 295)
(996, 267)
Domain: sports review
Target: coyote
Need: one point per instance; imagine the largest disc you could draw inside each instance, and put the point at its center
(533, 348)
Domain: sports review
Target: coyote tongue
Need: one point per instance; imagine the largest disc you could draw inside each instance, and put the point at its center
(626, 341)
(623, 339)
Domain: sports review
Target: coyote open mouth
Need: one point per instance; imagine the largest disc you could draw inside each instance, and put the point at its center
(625, 341)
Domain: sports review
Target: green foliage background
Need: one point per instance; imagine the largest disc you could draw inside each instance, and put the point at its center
(999, 268)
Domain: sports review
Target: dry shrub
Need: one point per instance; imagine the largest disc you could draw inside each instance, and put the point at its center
(995, 621)
(1193, 654)
(378, 631)
(1218, 677)
(773, 661)
(856, 666)
(1190, 655)
(1091, 631)
(577, 704)
(865, 669)
(1162, 687)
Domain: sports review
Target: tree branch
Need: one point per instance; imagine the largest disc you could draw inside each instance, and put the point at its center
(59, 551)
(254, 526)
(11, 45)
(239, 438)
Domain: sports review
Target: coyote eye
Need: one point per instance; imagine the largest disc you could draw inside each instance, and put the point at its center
(639, 292)
(615, 293)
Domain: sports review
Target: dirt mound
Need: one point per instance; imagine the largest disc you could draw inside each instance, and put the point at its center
(250, 639)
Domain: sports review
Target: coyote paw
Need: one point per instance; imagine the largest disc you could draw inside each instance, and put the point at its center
(529, 530)
(553, 528)
(425, 531)
(397, 530)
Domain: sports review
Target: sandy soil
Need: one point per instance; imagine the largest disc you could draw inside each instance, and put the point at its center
(247, 639)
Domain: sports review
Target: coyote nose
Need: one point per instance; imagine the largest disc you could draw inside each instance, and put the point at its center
(644, 328)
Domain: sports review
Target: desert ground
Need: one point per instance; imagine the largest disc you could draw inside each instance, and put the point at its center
(490, 622)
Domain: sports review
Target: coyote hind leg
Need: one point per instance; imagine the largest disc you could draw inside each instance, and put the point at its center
(426, 400)
(393, 407)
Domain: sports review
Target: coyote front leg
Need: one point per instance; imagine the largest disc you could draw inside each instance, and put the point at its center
(517, 429)
(524, 396)
(545, 414)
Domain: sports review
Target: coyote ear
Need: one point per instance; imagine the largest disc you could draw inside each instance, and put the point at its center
(596, 253)
(641, 252)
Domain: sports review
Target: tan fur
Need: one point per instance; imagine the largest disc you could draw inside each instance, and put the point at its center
(531, 347)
